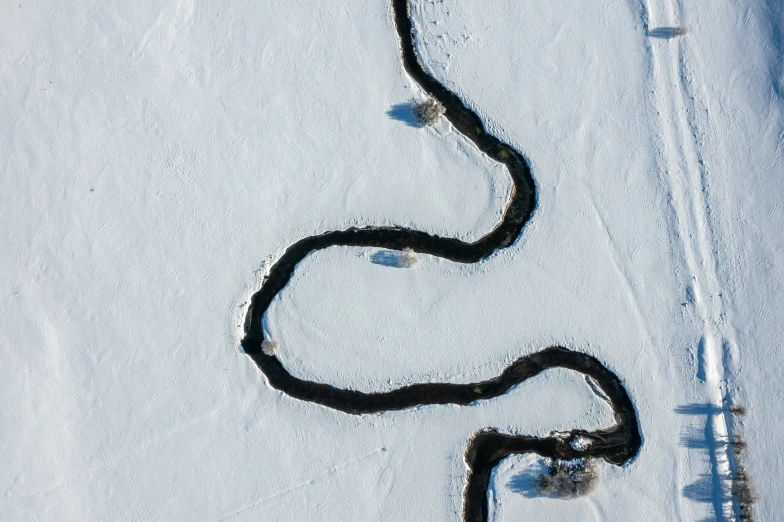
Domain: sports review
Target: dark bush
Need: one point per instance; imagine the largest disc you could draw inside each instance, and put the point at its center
(568, 479)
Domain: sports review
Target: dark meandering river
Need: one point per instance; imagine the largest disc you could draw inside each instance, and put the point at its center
(616, 444)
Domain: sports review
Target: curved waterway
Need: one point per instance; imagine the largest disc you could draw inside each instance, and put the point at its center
(615, 444)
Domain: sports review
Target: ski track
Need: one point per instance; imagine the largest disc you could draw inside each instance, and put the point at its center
(680, 99)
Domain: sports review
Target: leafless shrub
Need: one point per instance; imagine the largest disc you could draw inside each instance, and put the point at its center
(738, 445)
(568, 479)
(269, 347)
(738, 409)
(408, 258)
(742, 491)
(429, 111)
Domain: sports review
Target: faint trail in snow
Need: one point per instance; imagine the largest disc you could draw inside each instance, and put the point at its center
(631, 294)
(301, 484)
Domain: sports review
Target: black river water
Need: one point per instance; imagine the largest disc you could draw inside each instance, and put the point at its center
(616, 444)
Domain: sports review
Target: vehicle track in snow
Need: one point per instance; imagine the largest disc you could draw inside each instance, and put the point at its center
(616, 444)
(679, 97)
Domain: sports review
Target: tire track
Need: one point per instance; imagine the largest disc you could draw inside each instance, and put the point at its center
(676, 97)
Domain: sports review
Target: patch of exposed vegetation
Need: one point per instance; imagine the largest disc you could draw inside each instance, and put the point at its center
(568, 479)
(269, 347)
(742, 491)
(429, 111)
(408, 258)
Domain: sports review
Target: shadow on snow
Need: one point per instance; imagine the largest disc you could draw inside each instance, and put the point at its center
(404, 112)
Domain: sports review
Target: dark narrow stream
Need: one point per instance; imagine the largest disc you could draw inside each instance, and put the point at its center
(616, 444)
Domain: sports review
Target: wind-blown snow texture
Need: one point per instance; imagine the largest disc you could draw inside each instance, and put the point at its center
(154, 156)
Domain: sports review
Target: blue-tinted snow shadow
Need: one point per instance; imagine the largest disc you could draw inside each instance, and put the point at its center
(697, 409)
(390, 258)
(694, 438)
(665, 33)
(703, 491)
(711, 488)
(526, 482)
(404, 112)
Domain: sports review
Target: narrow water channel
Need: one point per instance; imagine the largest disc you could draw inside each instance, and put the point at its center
(615, 444)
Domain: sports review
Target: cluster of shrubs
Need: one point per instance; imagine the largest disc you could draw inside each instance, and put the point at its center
(567, 478)
(742, 491)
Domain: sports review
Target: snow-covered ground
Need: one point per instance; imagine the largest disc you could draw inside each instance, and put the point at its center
(154, 157)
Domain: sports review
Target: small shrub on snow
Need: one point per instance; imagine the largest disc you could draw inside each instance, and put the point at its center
(738, 409)
(429, 111)
(738, 444)
(269, 347)
(408, 258)
(567, 479)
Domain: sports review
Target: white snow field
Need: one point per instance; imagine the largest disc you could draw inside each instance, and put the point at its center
(156, 157)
